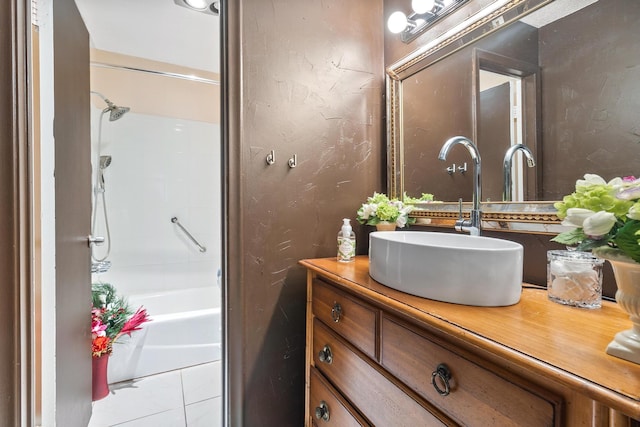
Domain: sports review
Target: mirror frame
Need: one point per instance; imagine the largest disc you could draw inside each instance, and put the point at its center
(522, 217)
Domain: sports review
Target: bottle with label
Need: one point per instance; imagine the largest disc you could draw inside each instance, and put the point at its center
(346, 242)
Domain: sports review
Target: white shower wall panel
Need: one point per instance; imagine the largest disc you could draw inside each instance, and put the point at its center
(161, 168)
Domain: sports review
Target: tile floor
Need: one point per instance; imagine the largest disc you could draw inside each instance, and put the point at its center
(190, 397)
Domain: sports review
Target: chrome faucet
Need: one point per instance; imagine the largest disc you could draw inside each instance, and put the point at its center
(506, 171)
(472, 226)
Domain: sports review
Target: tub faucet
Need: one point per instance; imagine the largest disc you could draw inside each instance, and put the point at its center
(506, 171)
(471, 226)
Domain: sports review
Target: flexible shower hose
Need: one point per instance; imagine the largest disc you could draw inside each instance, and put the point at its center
(100, 189)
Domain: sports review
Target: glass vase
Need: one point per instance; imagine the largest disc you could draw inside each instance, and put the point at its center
(574, 278)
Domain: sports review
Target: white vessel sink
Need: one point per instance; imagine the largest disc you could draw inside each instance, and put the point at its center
(456, 268)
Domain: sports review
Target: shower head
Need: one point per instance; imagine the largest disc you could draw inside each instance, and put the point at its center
(115, 112)
(105, 161)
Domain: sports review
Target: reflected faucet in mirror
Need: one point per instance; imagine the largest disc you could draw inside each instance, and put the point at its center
(575, 92)
(507, 184)
(472, 225)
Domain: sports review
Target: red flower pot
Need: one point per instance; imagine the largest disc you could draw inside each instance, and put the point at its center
(100, 387)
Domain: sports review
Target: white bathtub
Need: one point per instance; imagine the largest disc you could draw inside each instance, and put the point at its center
(185, 330)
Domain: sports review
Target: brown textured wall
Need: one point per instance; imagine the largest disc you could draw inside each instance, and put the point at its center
(591, 98)
(311, 84)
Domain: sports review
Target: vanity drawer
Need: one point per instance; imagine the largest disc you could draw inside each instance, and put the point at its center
(369, 390)
(338, 412)
(349, 317)
(477, 396)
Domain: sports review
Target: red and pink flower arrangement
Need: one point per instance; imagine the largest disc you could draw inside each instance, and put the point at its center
(111, 318)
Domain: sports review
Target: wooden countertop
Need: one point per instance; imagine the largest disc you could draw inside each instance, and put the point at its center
(561, 342)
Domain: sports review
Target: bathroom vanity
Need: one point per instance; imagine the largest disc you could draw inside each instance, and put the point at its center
(377, 356)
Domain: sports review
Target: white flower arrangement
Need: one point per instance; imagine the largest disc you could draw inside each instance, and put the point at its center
(379, 208)
(602, 214)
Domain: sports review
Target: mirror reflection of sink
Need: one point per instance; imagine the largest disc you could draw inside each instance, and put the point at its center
(455, 268)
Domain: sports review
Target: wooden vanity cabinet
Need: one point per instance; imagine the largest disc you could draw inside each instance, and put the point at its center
(393, 385)
(328, 407)
(351, 318)
(372, 392)
(477, 396)
(374, 357)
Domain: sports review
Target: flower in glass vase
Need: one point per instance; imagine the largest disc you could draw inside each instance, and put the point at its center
(606, 219)
(379, 208)
(602, 214)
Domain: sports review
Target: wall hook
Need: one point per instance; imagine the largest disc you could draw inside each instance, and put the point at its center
(271, 158)
(293, 162)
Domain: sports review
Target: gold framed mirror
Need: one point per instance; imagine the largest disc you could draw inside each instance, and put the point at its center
(582, 119)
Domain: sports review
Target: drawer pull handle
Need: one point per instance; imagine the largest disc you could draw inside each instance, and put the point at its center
(336, 312)
(444, 374)
(325, 355)
(322, 411)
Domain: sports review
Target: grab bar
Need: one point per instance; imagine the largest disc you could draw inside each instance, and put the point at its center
(184, 230)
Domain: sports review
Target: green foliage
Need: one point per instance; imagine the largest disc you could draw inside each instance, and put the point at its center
(627, 239)
(380, 208)
(595, 197)
(608, 211)
(570, 238)
(387, 212)
(425, 197)
(115, 309)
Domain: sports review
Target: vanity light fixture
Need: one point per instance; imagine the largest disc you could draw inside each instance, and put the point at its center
(205, 6)
(197, 4)
(425, 13)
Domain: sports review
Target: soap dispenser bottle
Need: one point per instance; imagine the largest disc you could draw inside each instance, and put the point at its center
(346, 242)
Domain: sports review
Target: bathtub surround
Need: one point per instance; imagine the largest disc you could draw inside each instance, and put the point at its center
(166, 164)
(162, 167)
(185, 330)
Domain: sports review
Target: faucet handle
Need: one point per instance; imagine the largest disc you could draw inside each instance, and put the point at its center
(451, 169)
(460, 221)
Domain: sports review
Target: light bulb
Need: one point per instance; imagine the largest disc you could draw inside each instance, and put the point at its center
(397, 22)
(197, 4)
(422, 6)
